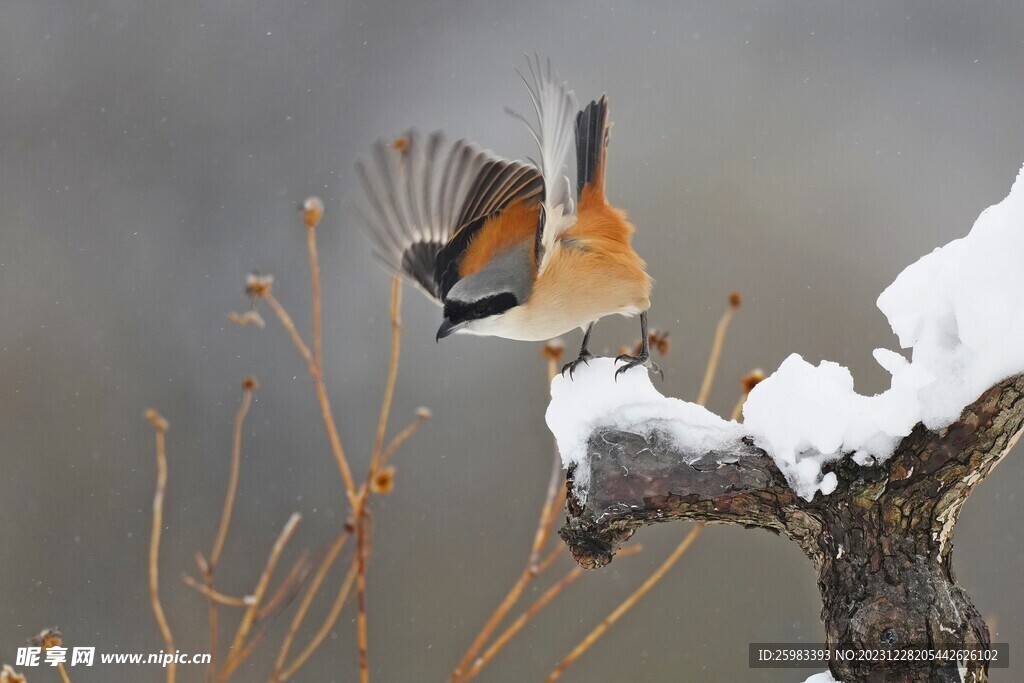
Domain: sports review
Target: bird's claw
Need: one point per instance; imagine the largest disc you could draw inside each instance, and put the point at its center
(643, 360)
(584, 358)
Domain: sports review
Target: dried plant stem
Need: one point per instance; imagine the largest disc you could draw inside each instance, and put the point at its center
(554, 499)
(716, 349)
(160, 426)
(747, 383)
(737, 410)
(550, 594)
(63, 673)
(389, 388)
(362, 630)
(553, 502)
(362, 506)
(213, 594)
(325, 628)
(626, 605)
(249, 618)
(502, 640)
(307, 600)
(549, 559)
(314, 276)
(248, 387)
(529, 573)
(400, 439)
(321, 394)
(288, 587)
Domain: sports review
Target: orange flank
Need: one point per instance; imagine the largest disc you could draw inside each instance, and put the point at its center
(516, 224)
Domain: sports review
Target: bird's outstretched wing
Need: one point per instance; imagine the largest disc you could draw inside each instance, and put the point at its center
(424, 200)
(555, 106)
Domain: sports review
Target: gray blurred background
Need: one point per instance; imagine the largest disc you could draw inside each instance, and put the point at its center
(153, 153)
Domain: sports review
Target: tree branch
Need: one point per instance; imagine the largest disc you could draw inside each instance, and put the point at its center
(881, 543)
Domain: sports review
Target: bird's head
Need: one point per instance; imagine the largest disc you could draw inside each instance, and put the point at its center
(476, 302)
(473, 316)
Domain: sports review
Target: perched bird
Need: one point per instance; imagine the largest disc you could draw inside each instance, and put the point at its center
(500, 243)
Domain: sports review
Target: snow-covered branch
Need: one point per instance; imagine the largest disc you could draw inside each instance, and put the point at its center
(870, 487)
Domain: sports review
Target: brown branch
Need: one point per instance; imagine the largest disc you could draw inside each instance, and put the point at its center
(628, 603)
(523, 619)
(312, 212)
(289, 587)
(362, 631)
(249, 386)
(237, 653)
(322, 398)
(549, 510)
(326, 626)
(307, 600)
(395, 310)
(213, 594)
(160, 426)
(881, 542)
(716, 348)
(422, 415)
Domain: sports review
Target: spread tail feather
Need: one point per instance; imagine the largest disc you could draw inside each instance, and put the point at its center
(591, 144)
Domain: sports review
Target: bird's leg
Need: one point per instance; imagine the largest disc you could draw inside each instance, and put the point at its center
(644, 358)
(584, 356)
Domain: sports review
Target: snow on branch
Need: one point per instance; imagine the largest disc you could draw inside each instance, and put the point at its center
(958, 309)
(870, 487)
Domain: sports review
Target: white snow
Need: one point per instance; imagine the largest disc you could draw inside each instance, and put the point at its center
(594, 399)
(960, 311)
(823, 677)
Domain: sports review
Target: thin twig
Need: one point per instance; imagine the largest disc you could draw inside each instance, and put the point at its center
(362, 508)
(549, 560)
(550, 594)
(322, 398)
(610, 620)
(737, 410)
(63, 673)
(394, 308)
(362, 630)
(325, 628)
(288, 588)
(502, 640)
(553, 500)
(304, 605)
(236, 653)
(214, 615)
(213, 594)
(160, 425)
(249, 386)
(312, 212)
(422, 415)
(751, 380)
(530, 572)
(716, 348)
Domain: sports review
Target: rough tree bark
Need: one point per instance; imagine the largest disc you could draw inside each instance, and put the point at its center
(881, 543)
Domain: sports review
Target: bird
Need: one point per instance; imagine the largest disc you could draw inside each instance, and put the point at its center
(501, 244)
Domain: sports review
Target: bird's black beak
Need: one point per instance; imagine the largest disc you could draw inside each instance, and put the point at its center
(447, 329)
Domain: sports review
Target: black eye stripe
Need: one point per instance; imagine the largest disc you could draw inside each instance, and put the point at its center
(459, 311)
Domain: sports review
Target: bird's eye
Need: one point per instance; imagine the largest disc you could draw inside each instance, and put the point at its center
(462, 311)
